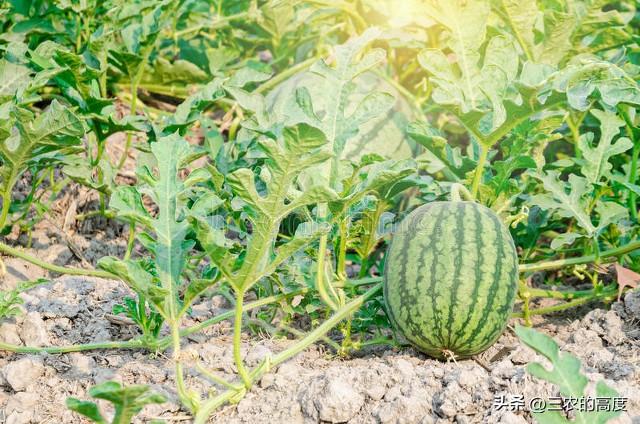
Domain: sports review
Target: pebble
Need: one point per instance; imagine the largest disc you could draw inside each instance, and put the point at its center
(23, 372)
(34, 330)
(339, 401)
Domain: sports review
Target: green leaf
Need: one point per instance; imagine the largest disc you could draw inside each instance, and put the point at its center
(205, 204)
(211, 235)
(337, 85)
(190, 110)
(565, 239)
(13, 78)
(521, 17)
(569, 205)
(136, 277)
(86, 408)
(466, 25)
(79, 170)
(566, 374)
(195, 289)
(550, 417)
(243, 185)
(246, 76)
(586, 76)
(171, 153)
(557, 41)
(127, 202)
(24, 139)
(314, 195)
(441, 156)
(176, 72)
(597, 165)
(128, 400)
(610, 213)
(306, 233)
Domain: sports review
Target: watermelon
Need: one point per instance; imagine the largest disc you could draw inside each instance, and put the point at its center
(450, 278)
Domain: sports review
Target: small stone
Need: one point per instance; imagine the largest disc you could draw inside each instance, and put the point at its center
(393, 393)
(9, 333)
(471, 378)
(607, 324)
(220, 302)
(376, 391)
(287, 373)
(339, 401)
(405, 367)
(23, 372)
(632, 304)
(22, 401)
(114, 361)
(450, 401)
(20, 417)
(200, 311)
(503, 369)
(462, 419)
(267, 380)
(34, 330)
(257, 354)
(81, 363)
(58, 254)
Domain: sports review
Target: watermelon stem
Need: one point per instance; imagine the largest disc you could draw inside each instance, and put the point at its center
(484, 151)
(524, 293)
(596, 294)
(458, 191)
(561, 263)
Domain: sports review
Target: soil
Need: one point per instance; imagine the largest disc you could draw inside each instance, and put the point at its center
(383, 385)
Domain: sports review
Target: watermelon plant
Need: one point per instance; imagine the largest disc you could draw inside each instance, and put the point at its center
(308, 161)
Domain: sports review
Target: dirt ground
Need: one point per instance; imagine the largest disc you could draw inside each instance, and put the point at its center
(379, 386)
(385, 386)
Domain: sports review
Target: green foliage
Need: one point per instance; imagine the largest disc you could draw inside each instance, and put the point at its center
(10, 299)
(149, 321)
(127, 402)
(566, 375)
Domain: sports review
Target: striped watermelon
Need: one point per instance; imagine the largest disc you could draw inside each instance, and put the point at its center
(451, 278)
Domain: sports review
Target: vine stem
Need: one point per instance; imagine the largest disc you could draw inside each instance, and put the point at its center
(127, 344)
(237, 340)
(458, 191)
(270, 83)
(218, 22)
(134, 102)
(484, 151)
(130, 241)
(212, 404)
(571, 304)
(560, 263)
(55, 268)
(177, 358)
(633, 170)
(321, 285)
(154, 345)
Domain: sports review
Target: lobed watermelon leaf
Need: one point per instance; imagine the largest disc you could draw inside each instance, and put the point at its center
(566, 375)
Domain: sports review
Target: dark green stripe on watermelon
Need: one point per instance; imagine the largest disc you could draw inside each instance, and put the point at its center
(451, 278)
